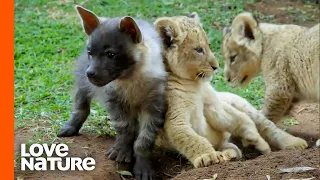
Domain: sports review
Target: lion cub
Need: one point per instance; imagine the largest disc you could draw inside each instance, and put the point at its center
(287, 56)
(197, 122)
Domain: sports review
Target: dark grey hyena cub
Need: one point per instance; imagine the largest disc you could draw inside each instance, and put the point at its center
(122, 65)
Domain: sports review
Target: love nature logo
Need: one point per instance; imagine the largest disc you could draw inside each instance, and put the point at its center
(39, 157)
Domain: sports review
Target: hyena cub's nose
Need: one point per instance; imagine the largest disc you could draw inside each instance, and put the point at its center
(91, 74)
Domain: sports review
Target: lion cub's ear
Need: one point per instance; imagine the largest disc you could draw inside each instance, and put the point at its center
(169, 31)
(89, 20)
(195, 16)
(245, 28)
(226, 30)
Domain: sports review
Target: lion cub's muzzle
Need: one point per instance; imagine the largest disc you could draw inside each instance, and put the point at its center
(213, 62)
(214, 68)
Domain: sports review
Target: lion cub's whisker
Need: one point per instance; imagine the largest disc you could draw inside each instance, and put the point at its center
(199, 75)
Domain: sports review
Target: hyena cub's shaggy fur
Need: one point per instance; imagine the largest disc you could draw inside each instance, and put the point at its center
(122, 65)
(287, 55)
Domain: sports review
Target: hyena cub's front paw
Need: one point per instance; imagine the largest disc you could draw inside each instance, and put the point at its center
(292, 142)
(67, 131)
(143, 170)
(120, 153)
(208, 159)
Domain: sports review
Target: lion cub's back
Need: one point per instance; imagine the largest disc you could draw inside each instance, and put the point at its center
(305, 55)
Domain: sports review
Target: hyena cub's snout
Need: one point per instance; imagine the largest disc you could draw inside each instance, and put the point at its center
(91, 73)
(96, 75)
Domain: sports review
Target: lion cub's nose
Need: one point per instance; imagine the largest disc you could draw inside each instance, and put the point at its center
(214, 68)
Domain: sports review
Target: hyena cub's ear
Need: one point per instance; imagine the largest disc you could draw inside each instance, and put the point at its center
(89, 20)
(169, 31)
(130, 27)
(245, 27)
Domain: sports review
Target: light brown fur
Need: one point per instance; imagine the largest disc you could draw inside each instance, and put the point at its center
(287, 56)
(275, 136)
(197, 122)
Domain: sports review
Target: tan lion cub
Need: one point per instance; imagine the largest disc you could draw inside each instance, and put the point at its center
(287, 56)
(197, 122)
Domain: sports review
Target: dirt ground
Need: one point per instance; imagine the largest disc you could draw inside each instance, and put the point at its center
(259, 168)
(287, 11)
(173, 166)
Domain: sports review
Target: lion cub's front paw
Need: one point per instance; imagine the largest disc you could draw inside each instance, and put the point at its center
(259, 143)
(209, 159)
(232, 154)
(294, 143)
(263, 147)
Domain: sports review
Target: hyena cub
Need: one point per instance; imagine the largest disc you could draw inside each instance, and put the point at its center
(122, 65)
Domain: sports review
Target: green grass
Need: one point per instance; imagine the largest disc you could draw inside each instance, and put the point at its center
(290, 122)
(48, 39)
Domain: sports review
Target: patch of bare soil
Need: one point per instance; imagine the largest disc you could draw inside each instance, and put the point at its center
(171, 165)
(167, 164)
(287, 11)
(308, 117)
(80, 146)
(258, 168)
(253, 167)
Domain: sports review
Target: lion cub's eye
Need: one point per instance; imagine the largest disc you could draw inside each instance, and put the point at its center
(199, 50)
(232, 58)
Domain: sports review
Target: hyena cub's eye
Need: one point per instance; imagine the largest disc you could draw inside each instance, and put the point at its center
(107, 54)
(199, 50)
(110, 55)
(89, 54)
